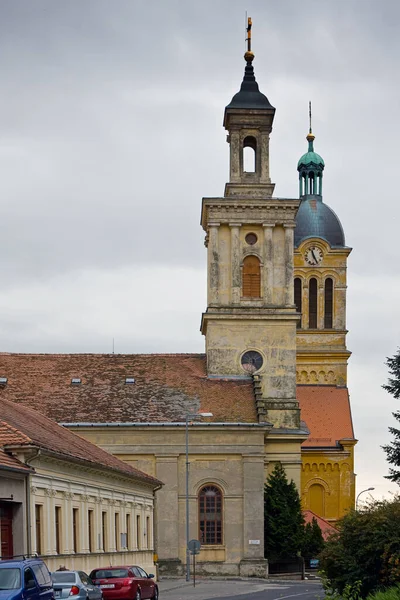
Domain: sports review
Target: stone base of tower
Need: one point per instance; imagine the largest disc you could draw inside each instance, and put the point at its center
(283, 414)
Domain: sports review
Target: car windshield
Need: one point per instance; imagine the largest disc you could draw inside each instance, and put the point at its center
(109, 573)
(63, 577)
(10, 579)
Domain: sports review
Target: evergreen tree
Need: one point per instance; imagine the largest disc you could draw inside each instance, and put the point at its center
(313, 542)
(283, 518)
(393, 387)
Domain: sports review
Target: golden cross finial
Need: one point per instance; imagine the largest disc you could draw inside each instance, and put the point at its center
(248, 29)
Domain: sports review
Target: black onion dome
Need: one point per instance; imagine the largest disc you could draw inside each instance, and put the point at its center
(316, 219)
(249, 95)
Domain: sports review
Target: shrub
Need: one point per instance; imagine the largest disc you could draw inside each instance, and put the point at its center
(366, 549)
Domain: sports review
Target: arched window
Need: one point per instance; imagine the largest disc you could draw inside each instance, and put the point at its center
(210, 515)
(328, 318)
(249, 154)
(297, 297)
(251, 278)
(313, 304)
(317, 499)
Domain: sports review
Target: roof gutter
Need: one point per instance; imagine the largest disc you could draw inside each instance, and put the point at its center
(168, 424)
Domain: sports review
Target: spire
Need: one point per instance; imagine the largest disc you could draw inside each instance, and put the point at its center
(310, 137)
(249, 95)
(310, 168)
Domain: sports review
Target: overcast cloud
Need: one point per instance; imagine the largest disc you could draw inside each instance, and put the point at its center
(111, 132)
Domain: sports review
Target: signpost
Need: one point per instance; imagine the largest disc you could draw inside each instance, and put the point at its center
(194, 548)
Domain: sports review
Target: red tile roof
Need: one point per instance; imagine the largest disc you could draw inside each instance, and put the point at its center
(326, 528)
(166, 388)
(23, 426)
(10, 462)
(326, 410)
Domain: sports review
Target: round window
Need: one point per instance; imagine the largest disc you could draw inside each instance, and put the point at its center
(252, 361)
(251, 239)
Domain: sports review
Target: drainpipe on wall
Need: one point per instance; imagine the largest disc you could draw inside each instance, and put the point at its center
(28, 503)
(155, 530)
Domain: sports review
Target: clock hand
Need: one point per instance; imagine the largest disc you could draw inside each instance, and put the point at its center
(314, 257)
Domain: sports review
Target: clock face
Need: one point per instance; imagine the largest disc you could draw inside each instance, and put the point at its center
(313, 255)
(252, 361)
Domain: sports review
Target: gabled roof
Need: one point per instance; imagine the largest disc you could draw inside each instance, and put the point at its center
(166, 387)
(9, 462)
(326, 410)
(21, 426)
(326, 528)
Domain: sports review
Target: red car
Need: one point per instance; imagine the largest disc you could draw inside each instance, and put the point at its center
(125, 583)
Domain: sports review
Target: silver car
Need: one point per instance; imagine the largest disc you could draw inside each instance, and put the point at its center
(75, 585)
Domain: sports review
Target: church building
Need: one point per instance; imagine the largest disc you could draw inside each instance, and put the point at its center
(273, 379)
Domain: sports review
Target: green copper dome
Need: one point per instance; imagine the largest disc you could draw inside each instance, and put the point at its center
(311, 159)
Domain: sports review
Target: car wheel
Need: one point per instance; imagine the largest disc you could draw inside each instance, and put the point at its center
(138, 595)
(155, 595)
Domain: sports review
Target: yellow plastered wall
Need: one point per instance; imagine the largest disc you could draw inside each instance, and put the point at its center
(328, 480)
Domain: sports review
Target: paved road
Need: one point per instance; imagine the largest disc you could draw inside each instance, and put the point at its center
(242, 590)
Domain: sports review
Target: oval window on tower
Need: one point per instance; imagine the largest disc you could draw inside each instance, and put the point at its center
(252, 361)
(251, 239)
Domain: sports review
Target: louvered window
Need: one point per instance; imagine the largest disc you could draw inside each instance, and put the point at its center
(328, 320)
(210, 515)
(297, 297)
(313, 304)
(251, 277)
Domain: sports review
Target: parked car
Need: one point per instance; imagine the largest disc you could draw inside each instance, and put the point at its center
(27, 579)
(75, 583)
(125, 583)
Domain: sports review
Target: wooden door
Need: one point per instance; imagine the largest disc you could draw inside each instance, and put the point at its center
(7, 550)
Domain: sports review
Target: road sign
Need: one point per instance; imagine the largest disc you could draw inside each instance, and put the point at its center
(194, 546)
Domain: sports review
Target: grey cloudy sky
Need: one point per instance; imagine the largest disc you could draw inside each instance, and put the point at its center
(111, 132)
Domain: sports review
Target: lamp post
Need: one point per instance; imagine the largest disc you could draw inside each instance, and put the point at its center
(189, 416)
(362, 492)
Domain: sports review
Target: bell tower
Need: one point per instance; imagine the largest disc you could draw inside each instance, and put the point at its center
(251, 317)
(320, 285)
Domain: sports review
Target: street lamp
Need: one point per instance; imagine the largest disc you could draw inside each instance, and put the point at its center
(189, 416)
(362, 492)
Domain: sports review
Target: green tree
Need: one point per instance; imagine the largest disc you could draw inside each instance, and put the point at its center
(283, 518)
(313, 541)
(393, 387)
(366, 549)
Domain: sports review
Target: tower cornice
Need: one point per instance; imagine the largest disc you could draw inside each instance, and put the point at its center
(261, 211)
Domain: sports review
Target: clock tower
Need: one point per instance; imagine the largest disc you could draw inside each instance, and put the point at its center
(320, 260)
(251, 318)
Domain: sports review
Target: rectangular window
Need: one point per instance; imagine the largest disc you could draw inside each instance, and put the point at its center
(75, 532)
(128, 531)
(104, 539)
(138, 544)
(116, 531)
(148, 533)
(38, 528)
(91, 530)
(58, 528)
